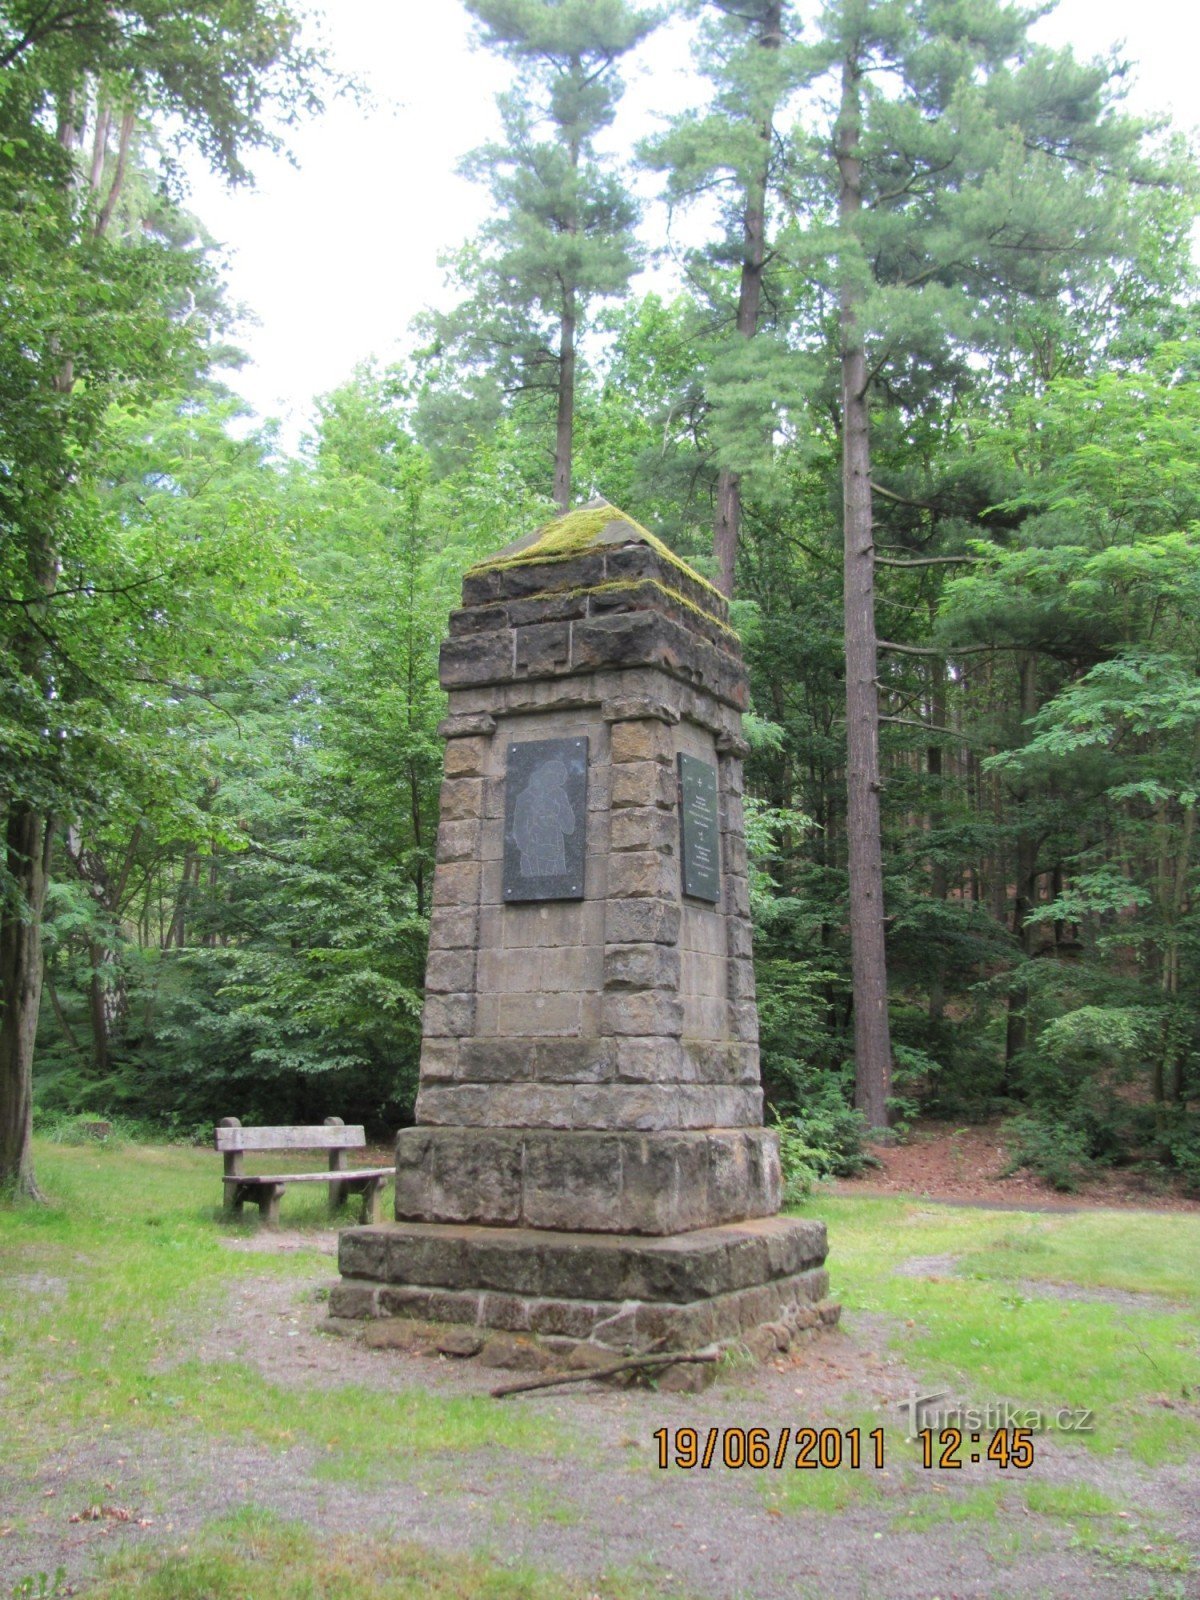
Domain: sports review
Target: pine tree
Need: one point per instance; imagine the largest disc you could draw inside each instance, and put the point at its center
(562, 237)
(969, 177)
(732, 147)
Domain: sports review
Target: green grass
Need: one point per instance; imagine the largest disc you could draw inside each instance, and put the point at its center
(99, 1290)
(1137, 1370)
(256, 1554)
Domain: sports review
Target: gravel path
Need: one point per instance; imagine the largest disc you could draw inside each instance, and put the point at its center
(602, 1505)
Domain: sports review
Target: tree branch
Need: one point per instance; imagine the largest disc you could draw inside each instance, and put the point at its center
(926, 561)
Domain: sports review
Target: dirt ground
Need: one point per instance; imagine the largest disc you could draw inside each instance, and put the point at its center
(602, 1505)
(966, 1165)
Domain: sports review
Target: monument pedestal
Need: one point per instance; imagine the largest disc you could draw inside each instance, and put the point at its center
(624, 1292)
(589, 1162)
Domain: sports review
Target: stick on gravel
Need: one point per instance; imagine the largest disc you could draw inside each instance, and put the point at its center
(637, 1363)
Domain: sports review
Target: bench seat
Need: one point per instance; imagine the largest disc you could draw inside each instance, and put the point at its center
(265, 1189)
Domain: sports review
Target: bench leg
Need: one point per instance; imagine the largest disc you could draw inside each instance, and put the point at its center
(372, 1190)
(337, 1196)
(268, 1205)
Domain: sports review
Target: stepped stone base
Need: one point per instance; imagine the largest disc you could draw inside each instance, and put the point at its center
(619, 1292)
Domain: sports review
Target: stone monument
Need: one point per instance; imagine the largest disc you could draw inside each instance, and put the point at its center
(589, 1162)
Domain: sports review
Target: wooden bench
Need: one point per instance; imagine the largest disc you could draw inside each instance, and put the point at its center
(266, 1190)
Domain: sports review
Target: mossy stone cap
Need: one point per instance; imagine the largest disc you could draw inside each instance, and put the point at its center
(591, 529)
(591, 590)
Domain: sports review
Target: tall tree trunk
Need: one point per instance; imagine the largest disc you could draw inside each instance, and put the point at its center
(939, 878)
(1017, 1031)
(563, 436)
(868, 959)
(28, 839)
(754, 253)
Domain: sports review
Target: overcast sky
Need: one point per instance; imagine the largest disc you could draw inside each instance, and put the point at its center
(334, 256)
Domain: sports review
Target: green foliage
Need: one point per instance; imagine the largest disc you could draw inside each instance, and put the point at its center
(1052, 1148)
(821, 1138)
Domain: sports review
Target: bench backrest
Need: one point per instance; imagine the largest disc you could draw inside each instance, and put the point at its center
(231, 1137)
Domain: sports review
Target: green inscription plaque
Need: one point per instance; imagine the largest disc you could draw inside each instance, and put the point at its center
(700, 827)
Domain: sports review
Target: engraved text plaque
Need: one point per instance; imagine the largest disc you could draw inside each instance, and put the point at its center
(701, 831)
(545, 820)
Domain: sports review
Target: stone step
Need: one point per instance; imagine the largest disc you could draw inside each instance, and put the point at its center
(583, 1266)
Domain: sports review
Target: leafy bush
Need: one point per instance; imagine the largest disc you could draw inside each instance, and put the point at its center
(821, 1137)
(1051, 1148)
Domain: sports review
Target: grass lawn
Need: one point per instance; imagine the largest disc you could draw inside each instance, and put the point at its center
(104, 1292)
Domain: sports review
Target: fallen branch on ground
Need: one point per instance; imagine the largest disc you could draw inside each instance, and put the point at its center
(634, 1364)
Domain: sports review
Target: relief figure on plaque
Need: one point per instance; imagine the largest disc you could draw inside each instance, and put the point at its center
(542, 818)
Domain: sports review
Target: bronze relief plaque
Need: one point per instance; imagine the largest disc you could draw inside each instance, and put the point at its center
(700, 825)
(545, 820)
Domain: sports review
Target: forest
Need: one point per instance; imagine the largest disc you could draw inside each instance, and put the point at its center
(924, 404)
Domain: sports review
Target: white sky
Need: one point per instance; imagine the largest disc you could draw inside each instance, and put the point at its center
(336, 255)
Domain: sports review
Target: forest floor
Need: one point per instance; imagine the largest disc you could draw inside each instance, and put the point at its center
(178, 1425)
(967, 1165)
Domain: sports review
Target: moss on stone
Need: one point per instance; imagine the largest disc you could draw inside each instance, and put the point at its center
(631, 585)
(578, 532)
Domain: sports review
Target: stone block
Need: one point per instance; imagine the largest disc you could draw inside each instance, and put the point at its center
(582, 1060)
(710, 1105)
(643, 783)
(467, 758)
(737, 1176)
(741, 980)
(456, 883)
(740, 934)
(721, 1061)
(652, 1060)
(440, 1059)
(458, 1175)
(631, 706)
(642, 1012)
(478, 619)
(454, 928)
(448, 1016)
(637, 874)
(541, 969)
(734, 851)
(643, 828)
(450, 972)
(557, 925)
(461, 800)
(362, 1253)
(663, 1183)
(743, 1021)
(540, 1015)
(703, 1017)
(458, 841)
(354, 1301)
(607, 1270)
(628, 640)
(647, 921)
(702, 974)
(549, 577)
(475, 659)
(737, 896)
(628, 1107)
(572, 1181)
(544, 649)
(644, 740)
(544, 608)
(461, 725)
(641, 966)
(512, 1353)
